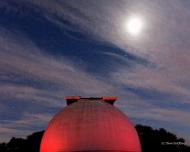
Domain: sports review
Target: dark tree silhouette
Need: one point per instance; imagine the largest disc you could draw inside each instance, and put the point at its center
(30, 144)
(160, 140)
(152, 140)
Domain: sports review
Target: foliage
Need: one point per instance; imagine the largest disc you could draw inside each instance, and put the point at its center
(152, 140)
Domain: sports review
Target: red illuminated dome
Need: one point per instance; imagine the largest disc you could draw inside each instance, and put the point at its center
(90, 125)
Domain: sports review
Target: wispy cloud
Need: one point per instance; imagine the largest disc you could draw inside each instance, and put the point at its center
(149, 78)
(168, 51)
(35, 65)
(24, 126)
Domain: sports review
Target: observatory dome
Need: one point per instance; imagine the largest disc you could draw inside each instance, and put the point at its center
(90, 125)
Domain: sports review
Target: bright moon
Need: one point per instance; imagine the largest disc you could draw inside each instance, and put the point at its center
(135, 26)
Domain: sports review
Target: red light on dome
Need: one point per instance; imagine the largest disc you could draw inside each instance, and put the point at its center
(72, 98)
(109, 98)
(89, 125)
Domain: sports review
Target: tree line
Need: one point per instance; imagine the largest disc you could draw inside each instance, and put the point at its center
(152, 140)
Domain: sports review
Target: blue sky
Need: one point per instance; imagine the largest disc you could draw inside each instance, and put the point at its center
(50, 49)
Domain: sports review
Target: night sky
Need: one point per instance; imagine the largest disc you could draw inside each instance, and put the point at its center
(54, 48)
